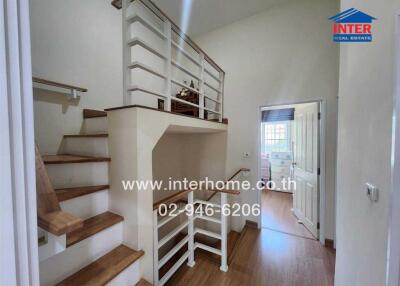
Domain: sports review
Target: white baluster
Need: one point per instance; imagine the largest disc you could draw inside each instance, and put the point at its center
(221, 96)
(168, 68)
(155, 248)
(224, 254)
(126, 51)
(201, 87)
(191, 262)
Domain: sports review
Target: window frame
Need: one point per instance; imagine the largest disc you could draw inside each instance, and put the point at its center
(287, 136)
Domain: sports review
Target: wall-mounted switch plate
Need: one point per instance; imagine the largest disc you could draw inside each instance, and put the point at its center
(372, 192)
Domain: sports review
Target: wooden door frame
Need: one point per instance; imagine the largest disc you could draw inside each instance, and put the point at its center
(393, 251)
(322, 160)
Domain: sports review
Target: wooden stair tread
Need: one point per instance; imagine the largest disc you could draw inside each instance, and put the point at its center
(100, 135)
(66, 159)
(92, 226)
(104, 269)
(59, 222)
(70, 193)
(92, 113)
(143, 282)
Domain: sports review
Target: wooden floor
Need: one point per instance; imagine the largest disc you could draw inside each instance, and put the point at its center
(280, 254)
(265, 258)
(277, 214)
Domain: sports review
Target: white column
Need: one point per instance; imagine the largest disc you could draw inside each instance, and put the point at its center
(191, 262)
(168, 68)
(155, 248)
(18, 216)
(224, 248)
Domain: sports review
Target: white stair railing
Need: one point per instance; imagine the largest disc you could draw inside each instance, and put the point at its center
(189, 224)
(207, 73)
(223, 230)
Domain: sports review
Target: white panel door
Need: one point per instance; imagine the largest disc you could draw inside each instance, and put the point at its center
(306, 140)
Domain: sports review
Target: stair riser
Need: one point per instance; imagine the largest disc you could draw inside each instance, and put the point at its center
(95, 125)
(87, 146)
(88, 205)
(74, 258)
(78, 174)
(55, 244)
(130, 276)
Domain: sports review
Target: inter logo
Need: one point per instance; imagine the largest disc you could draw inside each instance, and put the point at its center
(352, 25)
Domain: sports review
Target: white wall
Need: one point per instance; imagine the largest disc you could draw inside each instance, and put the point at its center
(79, 43)
(365, 117)
(168, 162)
(193, 156)
(282, 55)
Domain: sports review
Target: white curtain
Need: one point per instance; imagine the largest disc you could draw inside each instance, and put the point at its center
(18, 233)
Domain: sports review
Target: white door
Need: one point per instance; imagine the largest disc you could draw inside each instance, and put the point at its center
(306, 144)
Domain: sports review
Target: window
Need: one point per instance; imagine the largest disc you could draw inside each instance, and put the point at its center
(276, 137)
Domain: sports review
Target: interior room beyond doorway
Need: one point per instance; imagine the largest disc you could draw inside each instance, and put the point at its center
(290, 168)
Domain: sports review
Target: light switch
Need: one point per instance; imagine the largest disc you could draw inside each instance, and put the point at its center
(372, 192)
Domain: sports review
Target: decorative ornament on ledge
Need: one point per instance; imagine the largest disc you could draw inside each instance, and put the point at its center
(186, 92)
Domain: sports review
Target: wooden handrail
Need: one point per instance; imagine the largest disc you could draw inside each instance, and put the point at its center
(171, 199)
(58, 84)
(230, 179)
(226, 191)
(237, 173)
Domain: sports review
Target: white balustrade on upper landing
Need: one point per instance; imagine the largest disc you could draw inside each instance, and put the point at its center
(160, 59)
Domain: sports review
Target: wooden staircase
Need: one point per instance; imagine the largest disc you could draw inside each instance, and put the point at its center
(81, 231)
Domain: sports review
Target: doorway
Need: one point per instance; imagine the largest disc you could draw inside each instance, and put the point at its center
(290, 168)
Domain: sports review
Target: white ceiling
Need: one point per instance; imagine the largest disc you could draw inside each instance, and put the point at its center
(208, 15)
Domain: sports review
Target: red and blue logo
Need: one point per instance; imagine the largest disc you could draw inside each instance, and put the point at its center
(352, 25)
